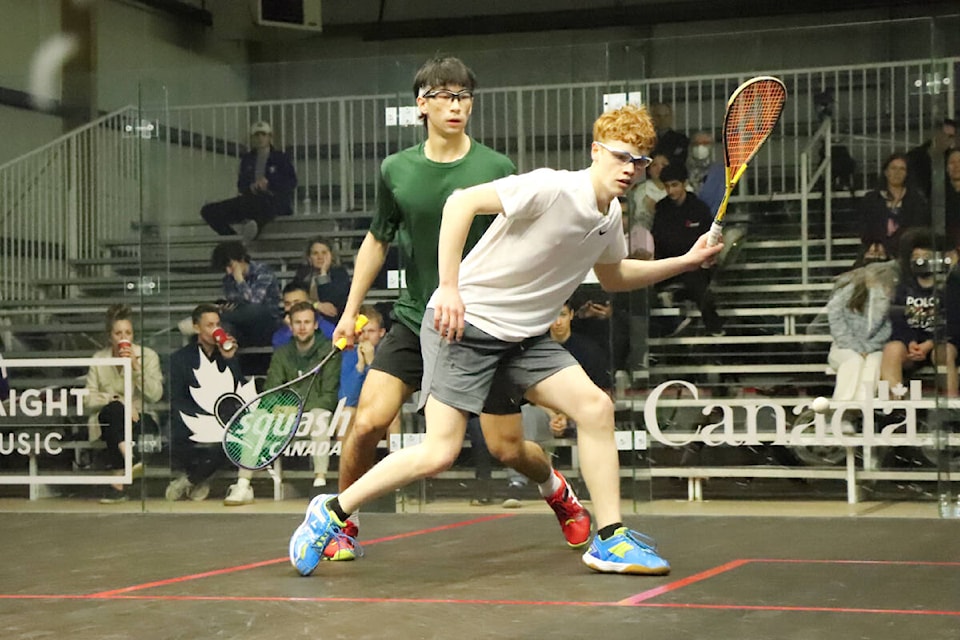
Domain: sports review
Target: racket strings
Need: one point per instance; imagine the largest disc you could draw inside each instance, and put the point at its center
(750, 119)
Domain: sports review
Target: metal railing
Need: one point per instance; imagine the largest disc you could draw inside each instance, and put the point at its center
(821, 138)
(59, 201)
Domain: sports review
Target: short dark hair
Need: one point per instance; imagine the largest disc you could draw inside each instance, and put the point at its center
(224, 252)
(914, 238)
(673, 171)
(294, 285)
(443, 70)
(440, 71)
(202, 308)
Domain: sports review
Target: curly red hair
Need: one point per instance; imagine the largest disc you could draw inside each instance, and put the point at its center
(630, 124)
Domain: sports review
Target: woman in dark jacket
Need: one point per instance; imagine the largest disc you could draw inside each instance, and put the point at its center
(326, 282)
(885, 213)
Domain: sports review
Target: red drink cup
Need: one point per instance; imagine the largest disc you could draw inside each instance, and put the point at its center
(226, 342)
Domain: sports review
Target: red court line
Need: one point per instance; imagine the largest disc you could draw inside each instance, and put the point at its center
(480, 602)
(641, 598)
(679, 584)
(910, 563)
(774, 607)
(263, 563)
(318, 599)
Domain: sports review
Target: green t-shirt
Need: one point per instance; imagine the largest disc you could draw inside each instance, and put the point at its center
(413, 190)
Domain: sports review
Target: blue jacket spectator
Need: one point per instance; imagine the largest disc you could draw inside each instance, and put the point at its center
(266, 184)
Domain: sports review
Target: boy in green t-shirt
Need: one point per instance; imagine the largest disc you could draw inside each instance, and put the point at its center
(415, 184)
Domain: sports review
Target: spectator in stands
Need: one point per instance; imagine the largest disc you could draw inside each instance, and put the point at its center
(291, 360)
(643, 202)
(357, 361)
(588, 353)
(680, 219)
(912, 311)
(327, 283)
(265, 184)
(293, 293)
(206, 389)
(919, 159)
(886, 212)
(706, 175)
(106, 386)
(859, 315)
(952, 198)
(870, 253)
(601, 317)
(251, 291)
(653, 189)
(670, 143)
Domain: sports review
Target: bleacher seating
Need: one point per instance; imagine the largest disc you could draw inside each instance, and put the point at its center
(771, 296)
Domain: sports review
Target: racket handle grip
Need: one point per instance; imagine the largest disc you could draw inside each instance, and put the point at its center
(361, 323)
(716, 232)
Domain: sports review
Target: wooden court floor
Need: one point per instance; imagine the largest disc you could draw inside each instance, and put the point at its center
(480, 575)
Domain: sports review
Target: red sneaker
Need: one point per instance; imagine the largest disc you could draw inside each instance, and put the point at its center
(574, 519)
(343, 547)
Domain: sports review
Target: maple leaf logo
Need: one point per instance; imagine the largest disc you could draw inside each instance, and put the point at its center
(219, 395)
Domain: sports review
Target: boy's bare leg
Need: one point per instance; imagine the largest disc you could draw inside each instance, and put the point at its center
(441, 445)
(506, 443)
(571, 392)
(381, 398)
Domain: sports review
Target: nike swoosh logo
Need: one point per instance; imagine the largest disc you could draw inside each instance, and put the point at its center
(603, 231)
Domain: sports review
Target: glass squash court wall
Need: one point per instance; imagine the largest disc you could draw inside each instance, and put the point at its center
(338, 120)
(698, 416)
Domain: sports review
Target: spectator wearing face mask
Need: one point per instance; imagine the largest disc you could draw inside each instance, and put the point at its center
(913, 312)
(706, 176)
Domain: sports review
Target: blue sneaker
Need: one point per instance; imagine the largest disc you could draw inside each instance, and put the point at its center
(304, 555)
(318, 528)
(626, 551)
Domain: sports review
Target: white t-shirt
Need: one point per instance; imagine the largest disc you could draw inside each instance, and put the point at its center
(537, 252)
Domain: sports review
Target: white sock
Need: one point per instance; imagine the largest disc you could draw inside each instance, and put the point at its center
(550, 486)
(243, 483)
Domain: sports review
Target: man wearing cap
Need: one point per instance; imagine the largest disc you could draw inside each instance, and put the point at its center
(266, 183)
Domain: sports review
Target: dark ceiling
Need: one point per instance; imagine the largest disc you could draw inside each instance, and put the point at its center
(394, 19)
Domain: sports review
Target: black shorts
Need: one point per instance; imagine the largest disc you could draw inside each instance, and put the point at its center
(399, 355)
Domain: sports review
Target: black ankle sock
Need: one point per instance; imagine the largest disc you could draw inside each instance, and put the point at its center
(334, 505)
(609, 530)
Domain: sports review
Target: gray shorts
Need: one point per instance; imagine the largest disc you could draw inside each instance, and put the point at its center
(483, 373)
